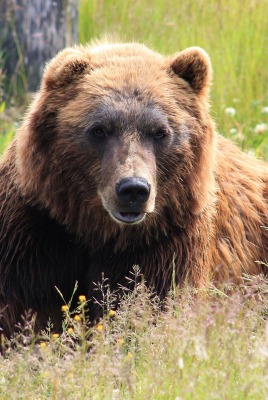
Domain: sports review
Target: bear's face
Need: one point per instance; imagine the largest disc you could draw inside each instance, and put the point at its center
(127, 138)
(116, 132)
(122, 134)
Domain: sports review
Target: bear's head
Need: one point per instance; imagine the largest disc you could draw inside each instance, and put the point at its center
(117, 135)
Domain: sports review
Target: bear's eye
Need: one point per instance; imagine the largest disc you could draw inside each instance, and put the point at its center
(99, 131)
(160, 133)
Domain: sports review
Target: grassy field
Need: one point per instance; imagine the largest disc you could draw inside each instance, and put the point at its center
(213, 346)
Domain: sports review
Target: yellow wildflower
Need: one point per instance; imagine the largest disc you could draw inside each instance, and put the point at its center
(100, 327)
(120, 341)
(129, 355)
(111, 313)
(77, 318)
(55, 336)
(64, 308)
(82, 298)
(70, 330)
(43, 344)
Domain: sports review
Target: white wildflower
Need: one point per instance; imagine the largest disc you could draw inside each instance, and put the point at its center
(233, 131)
(180, 363)
(264, 110)
(260, 128)
(230, 111)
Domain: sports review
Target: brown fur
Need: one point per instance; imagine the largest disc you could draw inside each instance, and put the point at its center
(208, 200)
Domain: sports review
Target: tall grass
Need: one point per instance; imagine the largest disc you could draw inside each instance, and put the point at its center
(7, 126)
(234, 33)
(215, 348)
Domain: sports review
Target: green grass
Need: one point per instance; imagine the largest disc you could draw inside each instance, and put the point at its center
(7, 127)
(210, 348)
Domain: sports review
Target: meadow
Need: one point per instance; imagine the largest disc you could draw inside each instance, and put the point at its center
(210, 348)
(211, 344)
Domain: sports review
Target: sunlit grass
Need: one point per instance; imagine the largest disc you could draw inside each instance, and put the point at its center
(7, 132)
(198, 348)
(7, 128)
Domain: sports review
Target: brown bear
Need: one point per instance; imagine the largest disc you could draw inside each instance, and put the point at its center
(117, 163)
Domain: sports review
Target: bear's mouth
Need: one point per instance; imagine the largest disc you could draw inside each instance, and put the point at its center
(128, 217)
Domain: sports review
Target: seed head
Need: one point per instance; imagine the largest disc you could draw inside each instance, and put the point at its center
(230, 111)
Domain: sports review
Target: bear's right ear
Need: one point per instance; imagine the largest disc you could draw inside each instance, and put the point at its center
(193, 66)
(68, 65)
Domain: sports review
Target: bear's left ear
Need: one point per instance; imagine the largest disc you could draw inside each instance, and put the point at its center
(68, 65)
(193, 65)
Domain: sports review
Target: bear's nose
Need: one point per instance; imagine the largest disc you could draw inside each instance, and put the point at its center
(133, 190)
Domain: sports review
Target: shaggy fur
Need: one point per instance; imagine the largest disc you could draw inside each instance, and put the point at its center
(104, 113)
